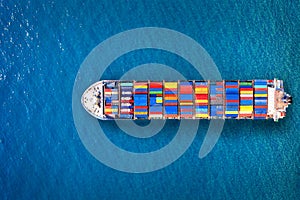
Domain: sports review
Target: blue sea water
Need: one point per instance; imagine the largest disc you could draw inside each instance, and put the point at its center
(43, 44)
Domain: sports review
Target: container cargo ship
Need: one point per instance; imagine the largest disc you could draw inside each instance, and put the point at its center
(194, 99)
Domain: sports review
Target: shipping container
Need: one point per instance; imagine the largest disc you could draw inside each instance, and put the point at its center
(171, 100)
(140, 100)
(231, 99)
(246, 99)
(186, 99)
(216, 99)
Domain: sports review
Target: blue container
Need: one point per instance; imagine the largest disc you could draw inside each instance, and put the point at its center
(260, 103)
(127, 116)
(156, 109)
(141, 116)
(260, 82)
(260, 92)
(170, 92)
(199, 107)
(231, 83)
(126, 107)
(141, 90)
(140, 103)
(200, 83)
(246, 102)
(155, 89)
(245, 86)
(141, 97)
(187, 113)
(232, 108)
(186, 97)
(232, 90)
(186, 107)
(232, 96)
(171, 101)
(260, 111)
(232, 104)
(186, 83)
(231, 115)
(153, 101)
(171, 109)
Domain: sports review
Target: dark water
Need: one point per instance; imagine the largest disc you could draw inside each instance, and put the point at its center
(42, 47)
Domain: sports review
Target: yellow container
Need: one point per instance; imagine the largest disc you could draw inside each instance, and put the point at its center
(186, 103)
(158, 100)
(141, 86)
(246, 108)
(246, 92)
(111, 110)
(201, 90)
(140, 113)
(201, 101)
(171, 85)
(231, 112)
(202, 115)
(260, 95)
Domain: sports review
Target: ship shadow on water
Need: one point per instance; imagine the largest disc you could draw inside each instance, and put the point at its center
(142, 123)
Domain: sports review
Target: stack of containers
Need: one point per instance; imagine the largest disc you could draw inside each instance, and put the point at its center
(155, 94)
(201, 99)
(232, 99)
(216, 99)
(141, 100)
(126, 90)
(260, 99)
(246, 99)
(186, 99)
(111, 104)
(171, 99)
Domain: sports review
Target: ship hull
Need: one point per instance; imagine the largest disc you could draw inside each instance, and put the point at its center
(193, 99)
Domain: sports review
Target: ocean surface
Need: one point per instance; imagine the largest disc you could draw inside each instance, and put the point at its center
(42, 46)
